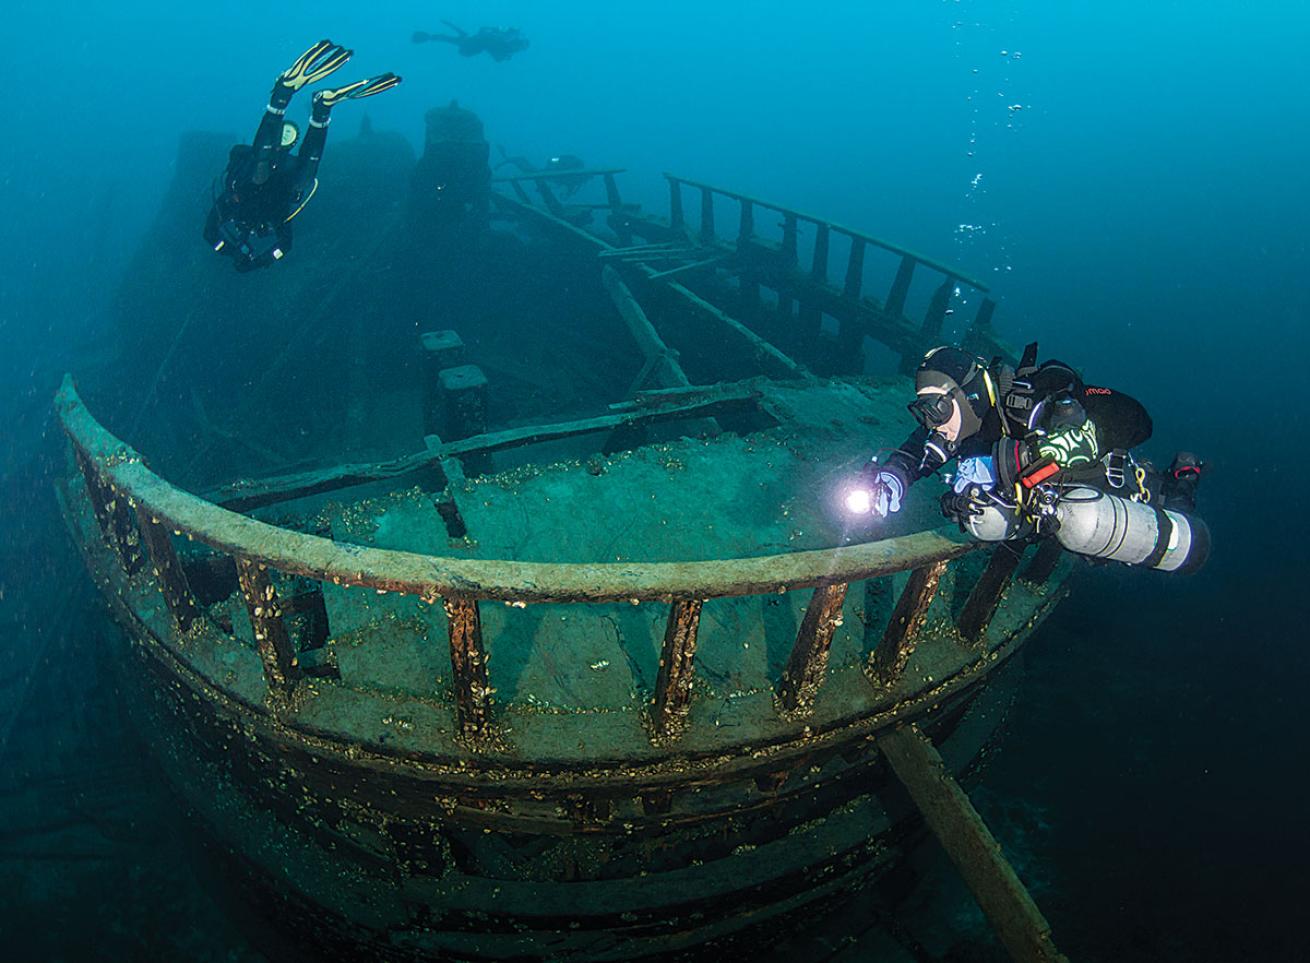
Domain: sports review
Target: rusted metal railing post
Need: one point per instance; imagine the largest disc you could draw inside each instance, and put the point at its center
(807, 667)
(111, 512)
(900, 287)
(468, 662)
(887, 664)
(673, 683)
(986, 595)
(271, 638)
(168, 570)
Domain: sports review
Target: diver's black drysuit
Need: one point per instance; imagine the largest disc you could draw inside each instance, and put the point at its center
(1034, 407)
(264, 186)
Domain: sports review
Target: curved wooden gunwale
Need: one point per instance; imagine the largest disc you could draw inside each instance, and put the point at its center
(431, 577)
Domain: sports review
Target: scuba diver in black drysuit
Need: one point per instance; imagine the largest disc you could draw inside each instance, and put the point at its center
(1041, 453)
(499, 43)
(560, 165)
(265, 184)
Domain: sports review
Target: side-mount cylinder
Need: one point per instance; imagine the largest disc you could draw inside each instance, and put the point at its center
(1100, 525)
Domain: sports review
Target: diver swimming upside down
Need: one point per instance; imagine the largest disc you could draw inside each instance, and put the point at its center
(265, 184)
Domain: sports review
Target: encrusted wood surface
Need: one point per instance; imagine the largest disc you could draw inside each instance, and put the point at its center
(431, 576)
(677, 672)
(898, 640)
(1006, 902)
(986, 594)
(468, 662)
(168, 570)
(808, 663)
(271, 638)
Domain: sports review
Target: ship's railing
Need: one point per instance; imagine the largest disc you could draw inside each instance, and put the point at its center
(775, 262)
(136, 509)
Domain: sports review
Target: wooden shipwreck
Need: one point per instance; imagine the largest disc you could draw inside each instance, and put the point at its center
(597, 688)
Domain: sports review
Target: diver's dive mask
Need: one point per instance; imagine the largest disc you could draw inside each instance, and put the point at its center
(932, 410)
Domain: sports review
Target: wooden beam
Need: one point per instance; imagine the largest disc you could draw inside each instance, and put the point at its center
(1007, 904)
(664, 367)
(112, 515)
(986, 595)
(789, 238)
(887, 664)
(764, 351)
(807, 667)
(706, 216)
(674, 682)
(468, 663)
(687, 268)
(677, 219)
(854, 271)
(248, 495)
(746, 229)
(275, 649)
(173, 584)
(935, 317)
(900, 287)
(1049, 553)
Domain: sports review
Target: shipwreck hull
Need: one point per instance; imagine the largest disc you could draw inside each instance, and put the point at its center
(485, 852)
(622, 700)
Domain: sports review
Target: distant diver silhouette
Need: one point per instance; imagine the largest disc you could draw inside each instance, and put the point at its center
(265, 185)
(559, 164)
(499, 43)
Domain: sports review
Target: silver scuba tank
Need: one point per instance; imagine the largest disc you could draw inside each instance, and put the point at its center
(1101, 525)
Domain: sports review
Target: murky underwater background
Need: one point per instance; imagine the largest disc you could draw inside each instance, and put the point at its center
(1129, 178)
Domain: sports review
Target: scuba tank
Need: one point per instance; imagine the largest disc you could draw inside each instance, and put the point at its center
(1100, 525)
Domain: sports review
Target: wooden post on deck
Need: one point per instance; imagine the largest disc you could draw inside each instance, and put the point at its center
(677, 220)
(935, 317)
(674, 681)
(900, 287)
(706, 216)
(618, 220)
(887, 664)
(468, 663)
(271, 639)
(811, 315)
(168, 570)
(1008, 906)
(807, 667)
(986, 595)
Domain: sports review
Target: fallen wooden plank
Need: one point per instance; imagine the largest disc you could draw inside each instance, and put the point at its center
(765, 351)
(247, 495)
(693, 266)
(664, 366)
(950, 815)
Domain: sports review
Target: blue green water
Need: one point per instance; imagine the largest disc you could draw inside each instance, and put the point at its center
(1129, 178)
